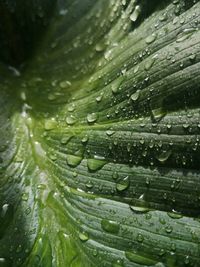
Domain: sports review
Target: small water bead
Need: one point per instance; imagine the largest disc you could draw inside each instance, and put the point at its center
(64, 140)
(139, 209)
(85, 139)
(149, 63)
(71, 107)
(73, 161)
(164, 156)
(174, 215)
(115, 175)
(158, 114)
(123, 184)
(100, 47)
(110, 226)
(25, 196)
(109, 132)
(89, 185)
(151, 38)
(53, 157)
(134, 16)
(70, 120)
(92, 117)
(50, 124)
(65, 84)
(83, 236)
(115, 86)
(99, 98)
(140, 238)
(168, 229)
(185, 34)
(135, 96)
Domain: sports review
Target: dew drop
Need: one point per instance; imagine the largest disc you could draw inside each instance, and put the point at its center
(73, 161)
(50, 124)
(136, 258)
(168, 229)
(92, 117)
(95, 164)
(138, 209)
(164, 156)
(70, 120)
(135, 96)
(134, 16)
(65, 84)
(174, 215)
(150, 39)
(123, 184)
(110, 226)
(140, 238)
(71, 107)
(157, 114)
(83, 236)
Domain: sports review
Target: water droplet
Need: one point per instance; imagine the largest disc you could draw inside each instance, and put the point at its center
(71, 120)
(85, 139)
(115, 87)
(136, 258)
(164, 156)
(71, 107)
(134, 16)
(73, 161)
(157, 114)
(65, 84)
(95, 164)
(135, 96)
(187, 33)
(150, 39)
(50, 124)
(25, 196)
(123, 184)
(92, 117)
(100, 47)
(83, 236)
(138, 209)
(149, 63)
(174, 215)
(140, 238)
(109, 132)
(110, 226)
(168, 229)
(5, 262)
(89, 185)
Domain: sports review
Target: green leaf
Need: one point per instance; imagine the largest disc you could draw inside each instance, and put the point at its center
(100, 134)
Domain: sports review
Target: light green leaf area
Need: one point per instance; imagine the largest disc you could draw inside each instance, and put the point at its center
(100, 139)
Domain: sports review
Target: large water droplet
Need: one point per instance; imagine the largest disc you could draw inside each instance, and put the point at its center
(136, 258)
(135, 13)
(138, 209)
(95, 164)
(73, 160)
(150, 39)
(123, 184)
(50, 124)
(164, 156)
(110, 226)
(71, 120)
(92, 117)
